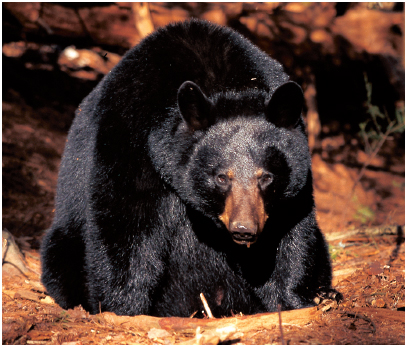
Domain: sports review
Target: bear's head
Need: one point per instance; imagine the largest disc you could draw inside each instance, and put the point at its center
(235, 156)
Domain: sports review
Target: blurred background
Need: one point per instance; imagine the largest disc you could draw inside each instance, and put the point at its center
(348, 57)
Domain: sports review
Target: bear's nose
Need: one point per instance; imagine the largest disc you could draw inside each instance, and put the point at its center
(243, 232)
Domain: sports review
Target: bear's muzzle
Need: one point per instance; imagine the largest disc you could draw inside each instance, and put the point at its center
(244, 214)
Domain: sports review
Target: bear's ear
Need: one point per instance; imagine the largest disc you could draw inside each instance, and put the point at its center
(194, 106)
(285, 105)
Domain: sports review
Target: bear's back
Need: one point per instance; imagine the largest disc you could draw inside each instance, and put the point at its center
(216, 58)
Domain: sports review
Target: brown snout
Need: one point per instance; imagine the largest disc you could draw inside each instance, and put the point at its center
(244, 214)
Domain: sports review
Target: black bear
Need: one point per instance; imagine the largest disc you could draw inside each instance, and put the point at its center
(187, 171)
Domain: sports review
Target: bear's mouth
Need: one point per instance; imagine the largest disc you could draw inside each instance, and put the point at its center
(242, 239)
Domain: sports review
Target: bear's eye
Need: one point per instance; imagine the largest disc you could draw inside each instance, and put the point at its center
(222, 179)
(266, 178)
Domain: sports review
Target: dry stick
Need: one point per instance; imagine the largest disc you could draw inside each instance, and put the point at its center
(371, 156)
(281, 324)
(206, 306)
(366, 164)
(361, 316)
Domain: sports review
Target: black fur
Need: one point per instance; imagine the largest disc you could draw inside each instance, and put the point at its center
(137, 226)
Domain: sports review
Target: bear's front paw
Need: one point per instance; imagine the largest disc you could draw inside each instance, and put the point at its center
(329, 294)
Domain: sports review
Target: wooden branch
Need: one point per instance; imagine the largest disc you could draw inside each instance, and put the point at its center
(371, 231)
(214, 331)
(189, 325)
(377, 314)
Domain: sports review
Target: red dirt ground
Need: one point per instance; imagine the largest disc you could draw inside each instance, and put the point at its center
(369, 265)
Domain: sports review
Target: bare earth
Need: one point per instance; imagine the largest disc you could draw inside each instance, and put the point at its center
(368, 263)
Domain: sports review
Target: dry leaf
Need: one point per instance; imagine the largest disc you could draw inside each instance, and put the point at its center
(375, 268)
(158, 333)
(47, 300)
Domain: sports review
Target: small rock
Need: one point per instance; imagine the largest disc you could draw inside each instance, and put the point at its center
(380, 303)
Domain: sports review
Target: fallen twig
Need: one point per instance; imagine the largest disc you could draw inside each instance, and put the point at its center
(280, 324)
(361, 316)
(206, 306)
(370, 231)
